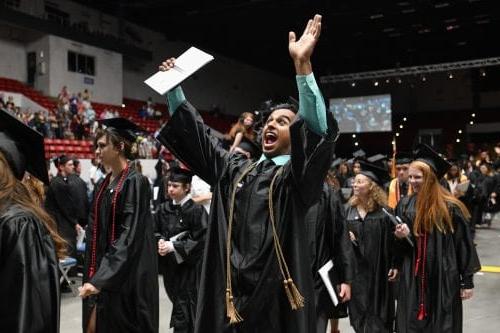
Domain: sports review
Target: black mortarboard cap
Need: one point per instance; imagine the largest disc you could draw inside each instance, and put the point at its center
(61, 160)
(23, 148)
(336, 162)
(360, 153)
(180, 175)
(404, 157)
(375, 172)
(378, 158)
(251, 147)
(123, 127)
(429, 156)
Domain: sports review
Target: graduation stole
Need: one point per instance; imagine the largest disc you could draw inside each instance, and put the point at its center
(394, 195)
(294, 297)
(97, 206)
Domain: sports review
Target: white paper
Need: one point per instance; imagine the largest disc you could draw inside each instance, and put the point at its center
(185, 65)
(323, 272)
(463, 187)
(156, 190)
(79, 237)
(178, 236)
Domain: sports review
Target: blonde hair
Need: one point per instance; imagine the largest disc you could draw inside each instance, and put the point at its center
(377, 198)
(432, 209)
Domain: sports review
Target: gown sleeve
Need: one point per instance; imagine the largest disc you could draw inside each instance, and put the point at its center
(344, 252)
(312, 137)
(192, 142)
(28, 276)
(467, 258)
(122, 255)
(190, 248)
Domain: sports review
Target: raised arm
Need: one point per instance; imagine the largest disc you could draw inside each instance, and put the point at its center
(312, 145)
(188, 138)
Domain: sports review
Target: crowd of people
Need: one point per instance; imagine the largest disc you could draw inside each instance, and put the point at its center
(281, 212)
(75, 119)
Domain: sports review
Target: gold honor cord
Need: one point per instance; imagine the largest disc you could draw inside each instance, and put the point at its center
(294, 297)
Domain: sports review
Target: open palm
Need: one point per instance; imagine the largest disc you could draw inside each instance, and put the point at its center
(303, 48)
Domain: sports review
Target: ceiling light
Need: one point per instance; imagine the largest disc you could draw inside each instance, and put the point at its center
(471, 122)
(375, 83)
(356, 144)
(473, 115)
(397, 134)
(459, 131)
(404, 119)
(354, 135)
(401, 126)
(458, 140)
(450, 76)
(353, 84)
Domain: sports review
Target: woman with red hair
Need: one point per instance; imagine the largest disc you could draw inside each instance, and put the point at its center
(437, 273)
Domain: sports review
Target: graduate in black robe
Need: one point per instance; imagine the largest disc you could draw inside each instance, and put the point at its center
(180, 228)
(29, 244)
(252, 297)
(328, 240)
(437, 273)
(120, 279)
(371, 308)
(66, 201)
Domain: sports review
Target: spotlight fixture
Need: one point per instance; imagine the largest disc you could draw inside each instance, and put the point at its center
(471, 122)
(450, 75)
(356, 144)
(401, 126)
(393, 142)
(404, 119)
(387, 81)
(354, 135)
(400, 81)
(353, 84)
(397, 134)
(123, 105)
(375, 83)
(473, 115)
(483, 72)
(459, 131)
(424, 78)
(458, 140)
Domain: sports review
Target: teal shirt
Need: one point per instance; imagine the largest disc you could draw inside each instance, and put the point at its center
(311, 103)
(278, 160)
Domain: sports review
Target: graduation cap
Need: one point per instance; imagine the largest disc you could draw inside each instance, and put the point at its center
(375, 172)
(250, 147)
(336, 162)
(61, 160)
(23, 148)
(180, 175)
(429, 156)
(379, 158)
(404, 157)
(359, 154)
(123, 127)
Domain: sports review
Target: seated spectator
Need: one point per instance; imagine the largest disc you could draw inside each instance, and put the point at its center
(241, 136)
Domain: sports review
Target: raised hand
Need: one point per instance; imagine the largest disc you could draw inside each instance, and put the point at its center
(167, 64)
(302, 49)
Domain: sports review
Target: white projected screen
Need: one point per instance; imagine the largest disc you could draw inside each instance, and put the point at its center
(363, 113)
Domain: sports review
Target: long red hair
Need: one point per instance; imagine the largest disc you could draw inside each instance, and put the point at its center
(432, 206)
(13, 191)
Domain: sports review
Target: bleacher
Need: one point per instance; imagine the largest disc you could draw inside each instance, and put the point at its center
(83, 149)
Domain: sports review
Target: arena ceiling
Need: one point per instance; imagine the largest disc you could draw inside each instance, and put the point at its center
(357, 35)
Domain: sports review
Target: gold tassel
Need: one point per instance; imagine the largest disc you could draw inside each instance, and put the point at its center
(298, 298)
(289, 295)
(231, 312)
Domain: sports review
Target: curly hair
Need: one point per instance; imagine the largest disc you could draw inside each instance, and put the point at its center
(377, 198)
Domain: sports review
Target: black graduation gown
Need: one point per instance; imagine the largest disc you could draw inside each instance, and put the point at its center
(127, 270)
(257, 284)
(64, 203)
(371, 308)
(328, 239)
(181, 270)
(29, 279)
(451, 262)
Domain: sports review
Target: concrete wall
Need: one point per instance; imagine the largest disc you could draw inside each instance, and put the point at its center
(13, 63)
(107, 82)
